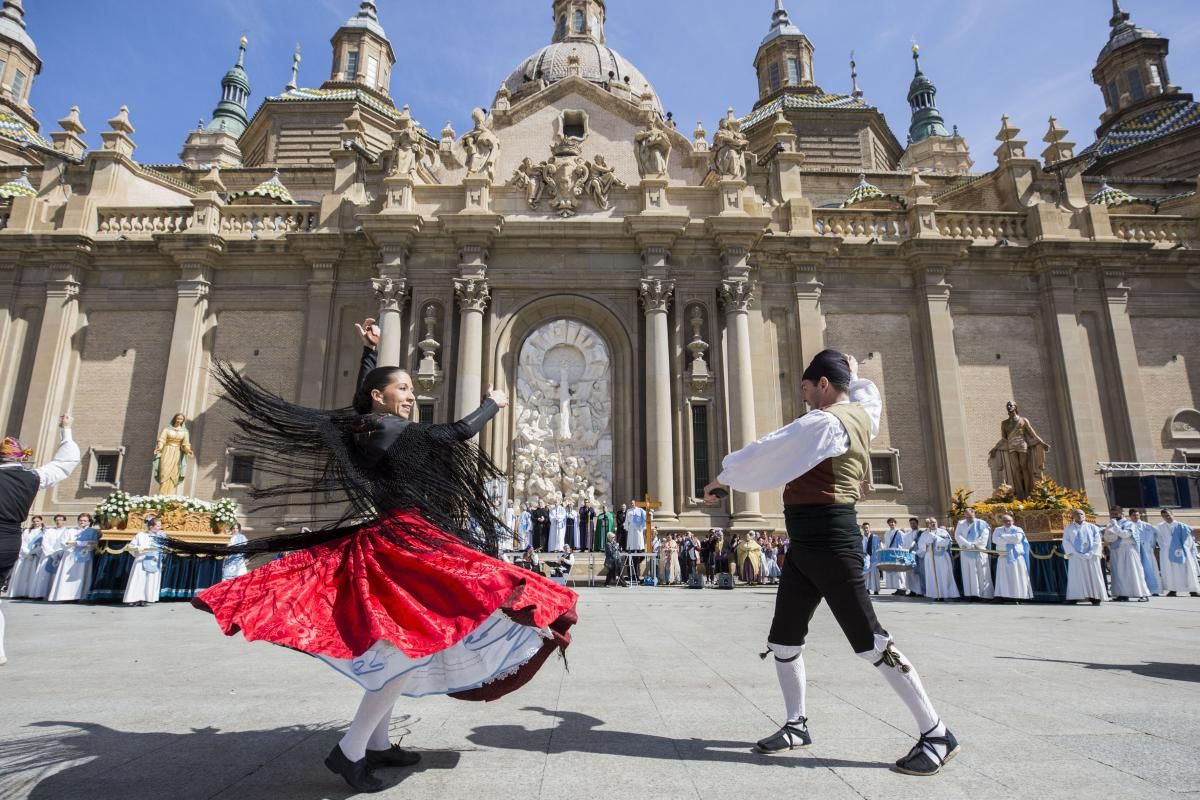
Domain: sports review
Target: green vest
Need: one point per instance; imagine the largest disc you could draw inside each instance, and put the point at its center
(839, 480)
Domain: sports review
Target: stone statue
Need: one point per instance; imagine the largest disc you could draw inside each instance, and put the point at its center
(481, 146)
(729, 150)
(171, 454)
(564, 404)
(652, 148)
(1021, 453)
(566, 179)
(601, 181)
(408, 147)
(530, 177)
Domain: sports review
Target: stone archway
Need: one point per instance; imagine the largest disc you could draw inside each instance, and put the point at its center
(563, 435)
(518, 320)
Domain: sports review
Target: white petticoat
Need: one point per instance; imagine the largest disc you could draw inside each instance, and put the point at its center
(498, 648)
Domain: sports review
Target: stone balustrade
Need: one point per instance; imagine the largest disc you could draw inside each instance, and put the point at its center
(260, 221)
(1160, 230)
(143, 221)
(853, 224)
(996, 226)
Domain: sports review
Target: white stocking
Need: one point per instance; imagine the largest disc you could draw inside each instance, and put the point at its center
(904, 680)
(789, 668)
(374, 710)
(380, 737)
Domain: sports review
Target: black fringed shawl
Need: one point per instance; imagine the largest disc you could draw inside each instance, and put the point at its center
(361, 465)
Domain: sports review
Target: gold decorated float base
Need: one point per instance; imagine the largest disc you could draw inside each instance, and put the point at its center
(195, 537)
(175, 520)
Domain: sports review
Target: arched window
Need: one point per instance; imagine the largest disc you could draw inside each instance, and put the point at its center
(580, 21)
(562, 26)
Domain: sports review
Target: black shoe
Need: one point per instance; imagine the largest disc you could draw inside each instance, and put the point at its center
(1170, 594)
(1121, 599)
(923, 759)
(394, 756)
(1095, 602)
(791, 736)
(1195, 594)
(355, 773)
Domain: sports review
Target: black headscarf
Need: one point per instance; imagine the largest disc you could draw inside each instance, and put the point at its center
(829, 364)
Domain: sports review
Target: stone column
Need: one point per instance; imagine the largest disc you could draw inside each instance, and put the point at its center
(660, 424)
(736, 296)
(51, 365)
(949, 425)
(1081, 428)
(8, 272)
(317, 334)
(1134, 423)
(391, 287)
(810, 317)
(473, 297)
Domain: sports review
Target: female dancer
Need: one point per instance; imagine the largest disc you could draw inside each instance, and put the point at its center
(403, 602)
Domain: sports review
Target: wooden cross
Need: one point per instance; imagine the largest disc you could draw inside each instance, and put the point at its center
(649, 505)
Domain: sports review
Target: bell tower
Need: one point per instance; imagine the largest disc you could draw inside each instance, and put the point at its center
(579, 21)
(362, 53)
(785, 59)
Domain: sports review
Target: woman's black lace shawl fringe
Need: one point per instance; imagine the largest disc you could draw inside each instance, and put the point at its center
(308, 461)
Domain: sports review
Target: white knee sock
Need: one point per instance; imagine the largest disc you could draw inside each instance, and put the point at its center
(381, 736)
(789, 668)
(375, 706)
(2, 656)
(903, 677)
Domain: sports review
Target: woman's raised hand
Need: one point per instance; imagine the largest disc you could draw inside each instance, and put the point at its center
(498, 396)
(368, 331)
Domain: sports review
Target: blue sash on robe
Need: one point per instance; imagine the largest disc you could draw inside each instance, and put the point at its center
(1180, 534)
(83, 554)
(1018, 550)
(1083, 540)
(973, 532)
(36, 544)
(152, 562)
(1144, 533)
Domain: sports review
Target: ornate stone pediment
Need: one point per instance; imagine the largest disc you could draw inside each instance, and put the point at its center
(565, 179)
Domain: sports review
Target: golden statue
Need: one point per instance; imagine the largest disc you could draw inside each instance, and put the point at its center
(1021, 453)
(171, 455)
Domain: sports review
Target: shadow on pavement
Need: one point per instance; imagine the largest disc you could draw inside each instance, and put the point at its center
(1148, 669)
(93, 761)
(578, 733)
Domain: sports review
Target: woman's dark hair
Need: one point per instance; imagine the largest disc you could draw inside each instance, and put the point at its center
(180, 416)
(377, 379)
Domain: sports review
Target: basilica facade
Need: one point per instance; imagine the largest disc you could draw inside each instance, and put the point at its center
(647, 295)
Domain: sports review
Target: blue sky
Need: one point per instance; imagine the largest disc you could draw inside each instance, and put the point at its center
(164, 59)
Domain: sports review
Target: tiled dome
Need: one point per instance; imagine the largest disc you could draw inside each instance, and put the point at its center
(597, 63)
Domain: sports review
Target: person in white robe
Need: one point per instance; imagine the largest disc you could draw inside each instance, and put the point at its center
(29, 558)
(1083, 545)
(1147, 536)
(235, 565)
(1177, 556)
(73, 579)
(1125, 559)
(1012, 567)
(18, 491)
(916, 583)
(971, 534)
(145, 578)
(893, 539)
(938, 578)
(524, 530)
(558, 527)
(509, 536)
(635, 529)
(870, 545)
(52, 553)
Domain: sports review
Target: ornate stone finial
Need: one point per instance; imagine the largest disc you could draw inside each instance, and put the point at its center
(71, 122)
(1010, 146)
(120, 123)
(428, 372)
(855, 91)
(448, 132)
(368, 10)
(698, 348)
(241, 62)
(1120, 16)
(212, 182)
(353, 123)
(294, 83)
(573, 66)
(1057, 148)
(700, 137)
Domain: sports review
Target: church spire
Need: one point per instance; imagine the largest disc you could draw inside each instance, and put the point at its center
(19, 54)
(230, 115)
(785, 58)
(922, 99)
(362, 52)
(579, 20)
(1120, 16)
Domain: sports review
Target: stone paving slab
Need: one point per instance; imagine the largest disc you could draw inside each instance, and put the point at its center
(663, 696)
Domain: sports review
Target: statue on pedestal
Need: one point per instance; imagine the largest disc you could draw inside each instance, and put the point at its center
(1020, 453)
(482, 147)
(171, 454)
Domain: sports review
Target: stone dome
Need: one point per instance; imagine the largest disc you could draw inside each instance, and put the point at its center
(597, 63)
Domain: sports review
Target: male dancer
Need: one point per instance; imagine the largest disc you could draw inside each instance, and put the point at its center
(825, 455)
(18, 488)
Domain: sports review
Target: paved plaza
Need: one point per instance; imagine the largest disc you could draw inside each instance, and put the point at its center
(664, 693)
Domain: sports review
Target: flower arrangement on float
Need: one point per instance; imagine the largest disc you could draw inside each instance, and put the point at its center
(123, 511)
(1046, 511)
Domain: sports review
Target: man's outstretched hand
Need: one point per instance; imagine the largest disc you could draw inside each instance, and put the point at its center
(714, 493)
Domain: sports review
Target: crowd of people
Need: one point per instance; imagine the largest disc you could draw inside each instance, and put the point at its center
(56, 563)
(1127, 559)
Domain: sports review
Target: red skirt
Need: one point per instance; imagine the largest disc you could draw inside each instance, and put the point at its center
(342, 599)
